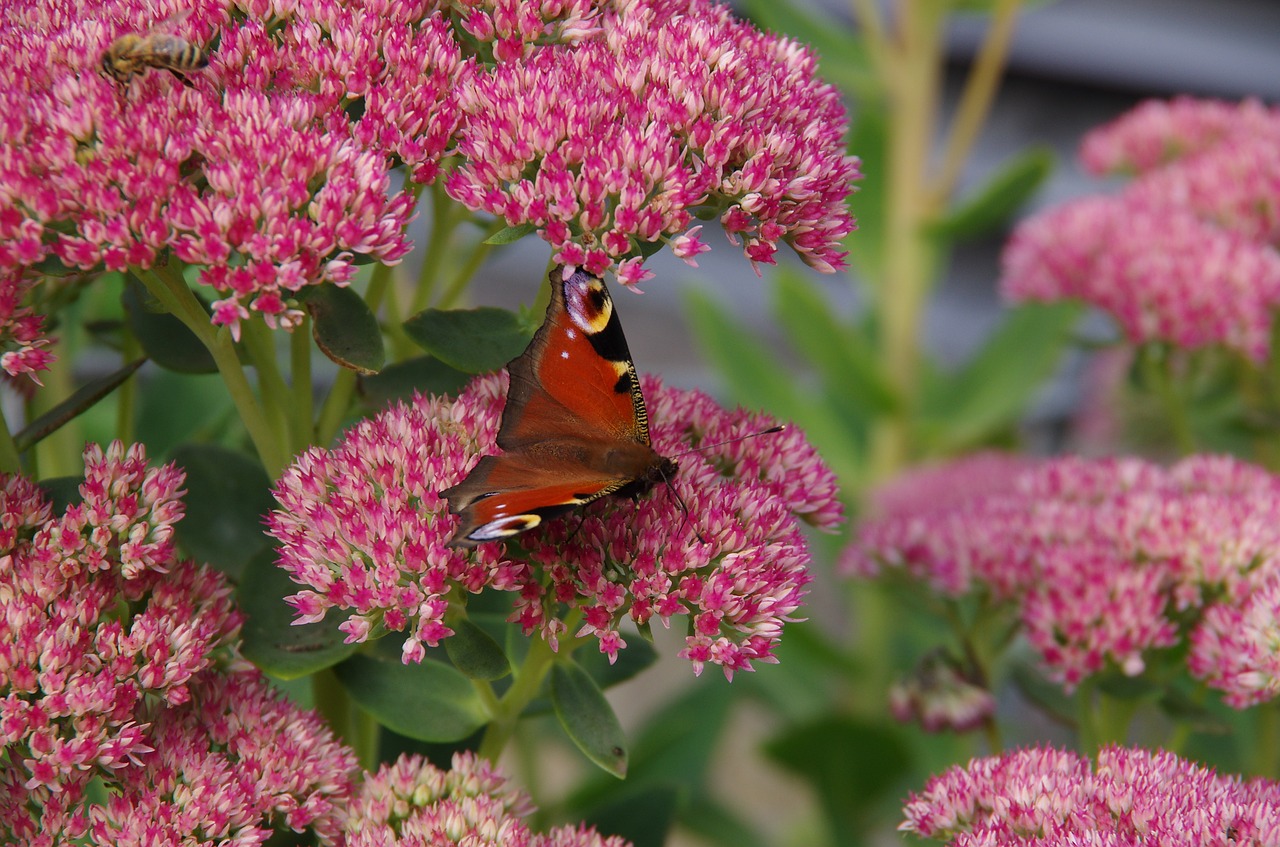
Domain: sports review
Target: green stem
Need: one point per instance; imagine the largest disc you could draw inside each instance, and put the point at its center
(259, 342)
(1157, 366)
(10, 461)
(900, 300)
(528, 680)
(1261, 755)
(167, 285)
(457, 285)
(301, 432)
(343, 717)
(444, 218)
(57, 454)
(975, 101)
(127, 394)
(335, 406)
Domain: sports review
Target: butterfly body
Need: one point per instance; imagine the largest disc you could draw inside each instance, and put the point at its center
(574, 429)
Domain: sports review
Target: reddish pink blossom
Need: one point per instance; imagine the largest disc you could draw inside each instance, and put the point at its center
(1042, 797)
(411, 803)
(1158, 132)
(254, 171)
(22, 337)
(689, 109)
(1106, 560)
(363, 529)
(1163, 273)
(1186, 254)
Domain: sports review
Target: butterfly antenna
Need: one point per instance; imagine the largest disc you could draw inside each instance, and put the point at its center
(684, 507)
(770, 431)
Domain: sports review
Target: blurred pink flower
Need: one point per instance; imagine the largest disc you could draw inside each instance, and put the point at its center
(410, 802)
(689, 111)
(1042, 797)
(363, 529)
(938, 695)
(1158, 132)
(22, 337)
(1186, 253)
(1108, 559)
(1163, 273)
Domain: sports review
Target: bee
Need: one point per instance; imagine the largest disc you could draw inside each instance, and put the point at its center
(132, 54)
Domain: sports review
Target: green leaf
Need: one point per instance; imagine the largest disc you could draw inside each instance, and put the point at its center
(851, 765)
(430, 701)
(62, 491)
(510, 234)
(756, 378)
(848, 363)
(705, 816)
(84, 398)
(869, 141)
(636, 657)
(989, 393)
(643, 818)
(271, 641)
(470, 340)
(228, 498)
(176, 408)
(588, 718)
(474, 652)
(166, 340)
(399, 381)
(990, 207)
(344, 328)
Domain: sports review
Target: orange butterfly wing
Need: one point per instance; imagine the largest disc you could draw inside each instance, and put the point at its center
(574, 428)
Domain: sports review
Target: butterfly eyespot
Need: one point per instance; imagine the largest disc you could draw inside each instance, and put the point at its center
(505, 527)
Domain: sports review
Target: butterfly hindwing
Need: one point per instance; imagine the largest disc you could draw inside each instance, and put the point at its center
(574, 428)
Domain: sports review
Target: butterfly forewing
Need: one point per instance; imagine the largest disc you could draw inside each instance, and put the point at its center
(574, 428)
(576, 379)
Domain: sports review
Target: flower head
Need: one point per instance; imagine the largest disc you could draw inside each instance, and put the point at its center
(1187, 253)
(410, 802)
(252, 169)
(1108, 559)
(363, 529)
(1051, 798)
(689, 109)
(939, 695)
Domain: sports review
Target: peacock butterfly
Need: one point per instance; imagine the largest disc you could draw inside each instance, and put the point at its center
(574, 428)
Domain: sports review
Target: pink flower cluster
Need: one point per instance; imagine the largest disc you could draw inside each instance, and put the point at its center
(1109, 559)
(119, 663)
(690, 112)
(1186, 254)
(253, 171)
(410, 803)
(1050, 798)
(22, 335)
(270, 169)
(363, 529)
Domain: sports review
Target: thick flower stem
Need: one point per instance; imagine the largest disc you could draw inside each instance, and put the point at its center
(444, 218)
(301, 431)
(167, 285)
(527, 682)
(1157, 366)
(10, 461)
(912, 104)
(259, 341)
(975, 101)
(127, 394)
